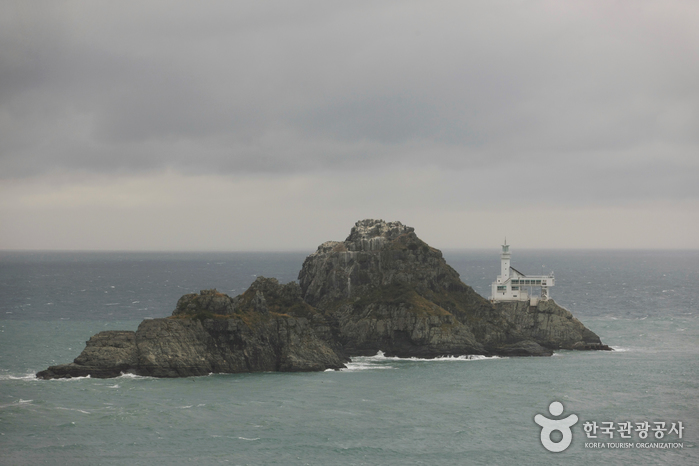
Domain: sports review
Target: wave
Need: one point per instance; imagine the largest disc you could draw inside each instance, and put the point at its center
(31, 376)
(125, 375)
(362, 366)
(73, 409)
(619, 349)
(14, 404)
(379, 359)
(380, 356)
(72, 379)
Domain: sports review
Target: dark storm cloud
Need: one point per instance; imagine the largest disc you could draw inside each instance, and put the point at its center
(601, 95)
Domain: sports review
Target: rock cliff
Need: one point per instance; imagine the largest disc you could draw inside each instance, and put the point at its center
(385, 289)
(382, 289)
(267, 328)
(550, 325)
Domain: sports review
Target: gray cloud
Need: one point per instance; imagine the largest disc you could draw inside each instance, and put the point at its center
(598, 99)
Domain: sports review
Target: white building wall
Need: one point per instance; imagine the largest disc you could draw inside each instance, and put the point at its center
(511, 285)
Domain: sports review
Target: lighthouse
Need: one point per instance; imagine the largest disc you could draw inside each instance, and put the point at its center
(505, 262)
(513, 285)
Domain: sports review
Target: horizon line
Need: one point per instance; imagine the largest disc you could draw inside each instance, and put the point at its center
(294, 250)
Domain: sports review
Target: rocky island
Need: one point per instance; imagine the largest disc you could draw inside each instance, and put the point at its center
(382, 289)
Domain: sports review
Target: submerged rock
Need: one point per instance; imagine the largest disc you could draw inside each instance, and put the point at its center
(382, 289)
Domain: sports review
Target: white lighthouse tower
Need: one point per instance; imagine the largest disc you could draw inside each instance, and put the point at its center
(513, 285)
(504, 263)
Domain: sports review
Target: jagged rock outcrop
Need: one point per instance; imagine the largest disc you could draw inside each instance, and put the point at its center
(551, 325)
(382, 289)
(107, 354)
(385, 289)
(267, 328)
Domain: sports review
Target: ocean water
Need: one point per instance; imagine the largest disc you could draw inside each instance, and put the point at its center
(379, 411)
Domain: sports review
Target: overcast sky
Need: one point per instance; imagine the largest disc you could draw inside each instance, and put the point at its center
(267, 125)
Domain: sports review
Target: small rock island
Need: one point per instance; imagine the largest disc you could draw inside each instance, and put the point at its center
(382, 289)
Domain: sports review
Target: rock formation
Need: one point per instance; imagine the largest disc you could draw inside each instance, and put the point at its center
(550, 325)
(385, 289)
(382, 289)
(267, 328)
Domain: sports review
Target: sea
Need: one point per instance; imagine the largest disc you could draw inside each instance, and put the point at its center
(638, 404)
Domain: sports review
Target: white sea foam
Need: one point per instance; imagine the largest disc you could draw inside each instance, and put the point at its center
(72, 409)
(72, 379)
(376, 362)
(9, 405)
(619, 349)
(133, 376)
(249, 439)
(31, 376)
(362, 366)
(466, 357)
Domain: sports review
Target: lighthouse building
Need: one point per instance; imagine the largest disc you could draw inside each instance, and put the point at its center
(513, 285)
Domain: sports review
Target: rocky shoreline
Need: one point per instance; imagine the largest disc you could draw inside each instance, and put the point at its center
(382, 289)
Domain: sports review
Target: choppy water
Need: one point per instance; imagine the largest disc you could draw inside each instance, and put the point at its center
(378, 411)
